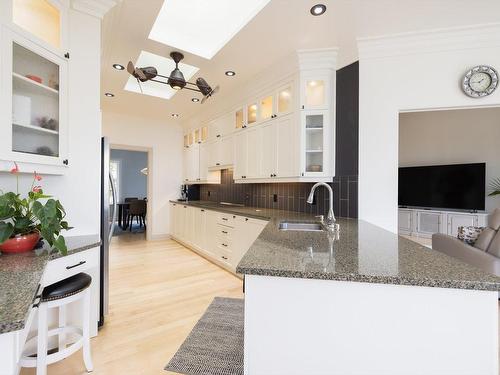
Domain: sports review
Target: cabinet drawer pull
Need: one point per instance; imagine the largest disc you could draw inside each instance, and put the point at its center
(217, 163)
(76, 265)
(223, 257)
(202, 210)
(225, 218)
(225, 245)
(224, 232)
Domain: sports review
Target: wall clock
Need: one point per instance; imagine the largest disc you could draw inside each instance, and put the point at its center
(480, 81)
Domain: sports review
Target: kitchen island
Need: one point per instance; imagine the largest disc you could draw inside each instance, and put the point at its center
(22, 278)
(364, 301)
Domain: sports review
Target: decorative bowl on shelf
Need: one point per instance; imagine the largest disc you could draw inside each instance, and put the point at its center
(34, 78)
(315, 168)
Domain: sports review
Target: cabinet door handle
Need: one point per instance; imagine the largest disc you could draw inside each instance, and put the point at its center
(225, 245)
(65, 161)
(223, 257)
(246, 219)
(224, 218)
(217, 163)
(224, 232)
(218, 135)
(202, 210)
(76, 265)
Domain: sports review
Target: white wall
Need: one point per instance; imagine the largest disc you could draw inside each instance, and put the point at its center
(451, 137)
(403, 73)
(79, 189)
(165, 140)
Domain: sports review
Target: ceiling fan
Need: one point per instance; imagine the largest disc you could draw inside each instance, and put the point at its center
(175, 80)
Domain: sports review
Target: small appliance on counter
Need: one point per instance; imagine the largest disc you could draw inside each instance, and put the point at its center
(190, 193)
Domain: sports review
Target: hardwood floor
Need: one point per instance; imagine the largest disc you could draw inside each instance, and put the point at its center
(158, 291)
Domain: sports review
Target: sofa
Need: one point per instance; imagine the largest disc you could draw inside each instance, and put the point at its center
(484, 254)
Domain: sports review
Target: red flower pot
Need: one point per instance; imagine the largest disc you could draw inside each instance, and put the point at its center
(20, 244)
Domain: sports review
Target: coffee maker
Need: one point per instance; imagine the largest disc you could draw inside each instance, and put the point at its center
(190, 193)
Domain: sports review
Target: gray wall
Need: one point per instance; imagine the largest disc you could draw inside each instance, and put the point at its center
(132, 182)
(452, 137)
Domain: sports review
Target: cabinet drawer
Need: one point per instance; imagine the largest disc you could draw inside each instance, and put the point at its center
(225, 219)
(62, 268)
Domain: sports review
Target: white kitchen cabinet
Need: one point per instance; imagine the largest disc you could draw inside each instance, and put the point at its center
(317, 147)
(196, 160)
(283, 134)
(34, 105)
(240, 155)
(269, 150)
(191, 164)
(247, 230)
(172, 219)
(221, 237)
(254, 153)
(316, 90)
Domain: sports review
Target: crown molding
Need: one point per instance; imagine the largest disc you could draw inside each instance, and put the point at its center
(96, 8)
(430, 41)
(321, 58)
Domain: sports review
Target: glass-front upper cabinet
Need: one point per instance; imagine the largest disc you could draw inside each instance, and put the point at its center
(284, 100)
(314, 124)
(239, 119)
(252, 113)
(266, 106)
(315, 91)
(44, 20)
(35, 103)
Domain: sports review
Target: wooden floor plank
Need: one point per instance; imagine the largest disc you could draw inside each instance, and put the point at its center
(158, 291)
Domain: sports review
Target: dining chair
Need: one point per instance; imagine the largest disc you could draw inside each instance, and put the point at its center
(137, 210)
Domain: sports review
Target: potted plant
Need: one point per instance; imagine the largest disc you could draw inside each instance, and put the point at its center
(495, 187)
(23, 220)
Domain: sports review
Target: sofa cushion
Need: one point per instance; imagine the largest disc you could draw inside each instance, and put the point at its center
(469, 234)
(494, 248)
(494, 221)
(484, 239)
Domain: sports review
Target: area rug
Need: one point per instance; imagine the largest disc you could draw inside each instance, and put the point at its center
(215, 345)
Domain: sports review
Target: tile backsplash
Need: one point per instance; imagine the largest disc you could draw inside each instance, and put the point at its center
(286, 196)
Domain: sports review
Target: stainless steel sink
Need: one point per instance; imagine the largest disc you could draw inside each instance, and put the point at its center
(301, 226)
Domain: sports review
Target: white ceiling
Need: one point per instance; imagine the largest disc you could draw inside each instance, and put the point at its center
(282, 27)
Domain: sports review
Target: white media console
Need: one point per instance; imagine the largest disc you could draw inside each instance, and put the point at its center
(424, 223)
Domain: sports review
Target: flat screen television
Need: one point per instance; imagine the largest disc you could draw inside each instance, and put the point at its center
(456, 186)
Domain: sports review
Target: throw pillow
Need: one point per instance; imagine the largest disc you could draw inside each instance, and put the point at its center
(469, 234)
(485, 238)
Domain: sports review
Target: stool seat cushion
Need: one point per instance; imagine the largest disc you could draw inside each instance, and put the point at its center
(67, 287)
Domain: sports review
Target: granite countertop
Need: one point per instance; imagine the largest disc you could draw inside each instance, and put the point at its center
(20, 276)
(362, 252)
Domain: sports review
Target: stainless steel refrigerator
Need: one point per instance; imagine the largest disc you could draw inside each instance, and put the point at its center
(108, 220)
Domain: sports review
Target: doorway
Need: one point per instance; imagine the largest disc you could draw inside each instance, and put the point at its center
(131, 171)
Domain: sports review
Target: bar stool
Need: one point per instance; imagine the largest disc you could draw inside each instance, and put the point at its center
(60, 295)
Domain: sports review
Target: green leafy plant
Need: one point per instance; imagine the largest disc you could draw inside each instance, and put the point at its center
(23, 215)
(495, 187)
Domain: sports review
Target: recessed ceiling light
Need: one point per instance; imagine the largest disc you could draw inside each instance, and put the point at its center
(118, 67)
(318, 9)
(202, 27)
(195, 100)
(109, 95)
(175, 115)
(230, 73)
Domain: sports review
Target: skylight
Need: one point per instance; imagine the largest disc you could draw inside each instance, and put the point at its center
(202, 27)
(164, 66)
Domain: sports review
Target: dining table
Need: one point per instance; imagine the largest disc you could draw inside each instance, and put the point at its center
(122, 214)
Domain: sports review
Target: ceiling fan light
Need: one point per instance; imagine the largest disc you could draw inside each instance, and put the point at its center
(176, 79)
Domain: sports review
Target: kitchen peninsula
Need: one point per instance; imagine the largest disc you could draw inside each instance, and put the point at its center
(364, 301)
(22, 278)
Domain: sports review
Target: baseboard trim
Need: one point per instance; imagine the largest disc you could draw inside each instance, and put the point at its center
(158, 237)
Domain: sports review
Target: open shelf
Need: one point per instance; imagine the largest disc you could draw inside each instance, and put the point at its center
(33, 86)
(35, 128)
